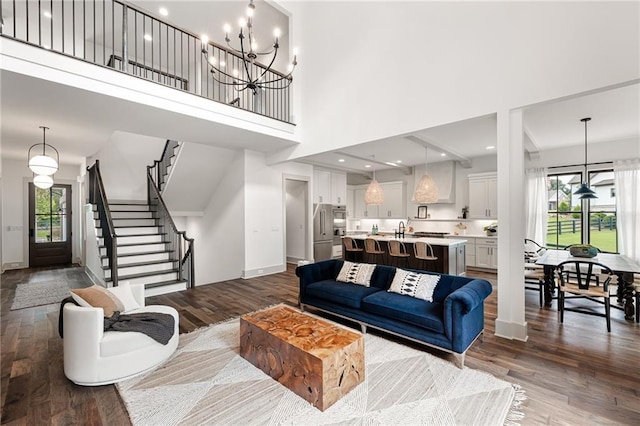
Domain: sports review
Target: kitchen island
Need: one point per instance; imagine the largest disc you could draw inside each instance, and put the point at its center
(449, 251)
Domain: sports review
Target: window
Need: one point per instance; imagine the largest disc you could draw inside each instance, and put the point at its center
(50, 221)
(569, 224)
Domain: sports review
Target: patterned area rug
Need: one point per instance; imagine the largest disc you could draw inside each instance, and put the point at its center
(39, 293)
(207, 382)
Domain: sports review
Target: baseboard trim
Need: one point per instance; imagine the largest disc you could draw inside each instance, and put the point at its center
(511, 330)
(13, 265)
(294, 260)
(252, 273)
(94, 279)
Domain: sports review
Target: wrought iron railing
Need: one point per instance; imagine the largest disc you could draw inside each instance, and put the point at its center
(160, 167)
(177, 240)
(105, 31)
(98, 197)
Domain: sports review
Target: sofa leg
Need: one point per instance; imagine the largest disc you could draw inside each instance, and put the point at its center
(459, 360)
(363, 328)
(301, 307)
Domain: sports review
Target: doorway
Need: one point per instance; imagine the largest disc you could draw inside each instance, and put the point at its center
(296, 220)
(49, 225)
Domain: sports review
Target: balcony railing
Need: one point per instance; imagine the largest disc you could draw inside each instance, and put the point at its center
(103, 32)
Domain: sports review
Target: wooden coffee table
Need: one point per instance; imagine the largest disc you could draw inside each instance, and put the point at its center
(316, 359)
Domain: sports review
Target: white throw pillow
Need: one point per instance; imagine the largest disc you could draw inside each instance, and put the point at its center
(420, 286)
(356, 273)
(124, 293)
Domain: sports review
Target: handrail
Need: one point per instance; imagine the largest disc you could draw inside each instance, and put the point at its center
(178, 239)
(98, 196)
(149, 48)
(163, 164)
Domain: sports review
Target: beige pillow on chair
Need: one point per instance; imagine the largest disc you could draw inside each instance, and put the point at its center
(97, 297)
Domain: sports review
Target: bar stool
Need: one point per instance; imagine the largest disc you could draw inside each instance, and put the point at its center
(372, 248)
(398, 251)
(350, 246)
(424, 253)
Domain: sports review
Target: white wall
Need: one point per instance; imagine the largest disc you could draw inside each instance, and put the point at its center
(447, 61)
(296, 221)
(15, 210)
(123, 164)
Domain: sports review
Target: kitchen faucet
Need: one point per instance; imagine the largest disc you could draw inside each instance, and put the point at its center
(400, 231)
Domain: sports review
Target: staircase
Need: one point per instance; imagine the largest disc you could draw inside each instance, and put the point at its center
(143, 254)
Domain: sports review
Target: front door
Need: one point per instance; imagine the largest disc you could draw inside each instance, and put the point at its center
(49, 225)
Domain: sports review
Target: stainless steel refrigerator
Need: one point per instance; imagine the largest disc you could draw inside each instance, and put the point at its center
(322, 231)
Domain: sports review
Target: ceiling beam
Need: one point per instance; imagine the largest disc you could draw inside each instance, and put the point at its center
(404, 169)
(429, 143)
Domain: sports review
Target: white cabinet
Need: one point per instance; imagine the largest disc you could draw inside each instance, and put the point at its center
(483, 199)
(322, 187)
(329, 187)
(338, 189)
(487, 253)
(351, 203)
(394, 205)
(470, 251)
(362, 210)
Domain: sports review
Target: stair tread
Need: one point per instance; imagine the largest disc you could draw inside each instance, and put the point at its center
(144, 274)
(140, 235)
(142, 253)
(163, 283)
(136, 244)
(151, 262)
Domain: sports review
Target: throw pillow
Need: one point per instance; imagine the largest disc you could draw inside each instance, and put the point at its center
(97, 297)
(125, 295)
(420, 286)
(356, 273)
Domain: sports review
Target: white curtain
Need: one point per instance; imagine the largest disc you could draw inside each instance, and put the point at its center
(627, 186)
(536, 205)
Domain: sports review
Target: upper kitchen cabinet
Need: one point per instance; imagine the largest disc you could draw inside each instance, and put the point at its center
(351, 203)
(394, 205)
(362, 210)
(444, 176)
(339, 188)
(329, 187)
(483, 196)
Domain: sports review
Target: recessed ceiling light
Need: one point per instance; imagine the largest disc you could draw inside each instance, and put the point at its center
(443, 154)
(163, 11)
(399, 161)
(341, 160)
(390, 163)
(46, 14)
(148, 37)
(490, 147)
(367, 165)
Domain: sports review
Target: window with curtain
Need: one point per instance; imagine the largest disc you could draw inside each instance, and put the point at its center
(627, 198)
(569, 223)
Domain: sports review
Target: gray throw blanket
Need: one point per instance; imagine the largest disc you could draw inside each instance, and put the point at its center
(155, 325)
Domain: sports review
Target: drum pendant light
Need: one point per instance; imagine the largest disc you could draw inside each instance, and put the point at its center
(44, 163)
(584, 191)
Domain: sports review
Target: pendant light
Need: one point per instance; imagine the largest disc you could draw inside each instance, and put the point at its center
(426, 190)
(43, 164)
(43, 181)
(584, 191)
(374, 195)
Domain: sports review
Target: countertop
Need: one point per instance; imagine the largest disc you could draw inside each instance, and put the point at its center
(432, 241)
(472, 236)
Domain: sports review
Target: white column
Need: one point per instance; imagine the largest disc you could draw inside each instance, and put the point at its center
(511, 322)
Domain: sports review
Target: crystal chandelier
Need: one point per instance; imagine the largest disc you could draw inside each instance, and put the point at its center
(427, 190)
(249, 75)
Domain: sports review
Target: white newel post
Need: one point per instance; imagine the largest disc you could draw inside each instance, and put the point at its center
(511, 322)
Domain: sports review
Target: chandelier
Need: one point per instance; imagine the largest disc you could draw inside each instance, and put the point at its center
(584, 191)
(248, 75)
(43, 165)
(427, 190)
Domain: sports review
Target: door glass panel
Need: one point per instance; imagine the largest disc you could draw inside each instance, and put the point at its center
(51, 215)
(43, 201)
(56, 229)
(42, 229)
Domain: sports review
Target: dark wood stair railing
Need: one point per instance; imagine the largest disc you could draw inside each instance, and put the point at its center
(98, 197)
(177, 240)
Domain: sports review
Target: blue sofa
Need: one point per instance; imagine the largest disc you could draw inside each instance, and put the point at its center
(452, 322)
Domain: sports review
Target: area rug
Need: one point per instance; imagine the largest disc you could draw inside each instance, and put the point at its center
(207, 382)
(39, 293)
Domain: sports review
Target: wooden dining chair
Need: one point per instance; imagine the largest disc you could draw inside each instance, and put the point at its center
(534, 274)
(372, 249)
(576, 279)
(351, 247)
(398, 252)
(423, 252)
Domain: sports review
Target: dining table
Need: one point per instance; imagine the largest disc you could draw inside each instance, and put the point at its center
(623, 266)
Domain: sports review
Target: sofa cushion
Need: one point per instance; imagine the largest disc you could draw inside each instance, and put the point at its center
(356, 273)
(413, 284)
(404, 308)
(342, 293)
(97, 297)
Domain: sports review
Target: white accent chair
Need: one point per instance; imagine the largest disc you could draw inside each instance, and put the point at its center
(93, 357)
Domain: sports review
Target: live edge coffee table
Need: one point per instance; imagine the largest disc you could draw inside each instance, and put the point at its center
(316, 359)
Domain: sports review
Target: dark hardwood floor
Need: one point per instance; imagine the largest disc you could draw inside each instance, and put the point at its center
(573, 374)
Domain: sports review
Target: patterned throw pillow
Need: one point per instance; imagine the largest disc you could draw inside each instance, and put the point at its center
(412, 284)
(356, 273)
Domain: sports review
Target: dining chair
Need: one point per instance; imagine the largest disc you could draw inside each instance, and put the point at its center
(568, 248)
(576, 279)
(398, 252)
(636, 290)
(350, 246)
(423, 252)
(534, 274)
(372, 249)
